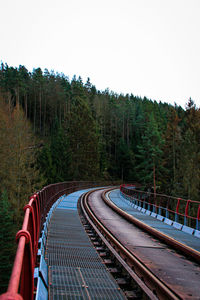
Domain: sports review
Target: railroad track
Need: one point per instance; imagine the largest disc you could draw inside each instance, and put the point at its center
(150, 268)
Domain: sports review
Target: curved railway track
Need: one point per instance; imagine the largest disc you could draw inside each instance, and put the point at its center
(152, 269)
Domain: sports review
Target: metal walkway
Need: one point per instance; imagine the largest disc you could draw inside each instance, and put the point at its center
(190, 237)
(75, 269)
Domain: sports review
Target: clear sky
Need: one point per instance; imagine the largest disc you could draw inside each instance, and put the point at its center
(146, 47)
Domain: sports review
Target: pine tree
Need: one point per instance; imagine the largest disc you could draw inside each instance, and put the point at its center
(83, 141)
(125, 162)
(45, 164)
(189, 163)
(61, 155)
(171, 153)
(149, 155)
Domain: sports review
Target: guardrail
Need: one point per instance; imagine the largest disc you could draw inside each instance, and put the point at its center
(21, 284)
(180, 210)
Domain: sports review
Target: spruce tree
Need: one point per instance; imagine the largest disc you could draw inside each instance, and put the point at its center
(189, 163)
(61, 155)
(149, 157)
(171, 154)
(45, 164)
(83, 140)
(125, 162)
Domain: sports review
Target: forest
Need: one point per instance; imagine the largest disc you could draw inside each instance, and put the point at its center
(53, 129)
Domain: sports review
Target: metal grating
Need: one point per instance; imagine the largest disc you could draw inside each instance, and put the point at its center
(75, 269)
(82, 283)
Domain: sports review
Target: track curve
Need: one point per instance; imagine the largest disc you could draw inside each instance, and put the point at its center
(163, 271)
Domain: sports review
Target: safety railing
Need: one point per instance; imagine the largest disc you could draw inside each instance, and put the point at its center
(21, 284)
(186, 212)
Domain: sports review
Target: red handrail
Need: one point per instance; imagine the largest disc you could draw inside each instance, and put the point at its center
(21, 284)
(198, 213)
(157, 199)
(187, 208)
(177, 205)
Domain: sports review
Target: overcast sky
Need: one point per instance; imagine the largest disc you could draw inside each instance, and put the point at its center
(146, 47)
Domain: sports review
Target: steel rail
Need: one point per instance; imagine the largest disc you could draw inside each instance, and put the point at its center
(159, 288)
(186, 250)
(138, 281)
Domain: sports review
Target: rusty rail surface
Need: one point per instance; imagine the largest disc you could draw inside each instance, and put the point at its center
(21, 284)
(186, 250)
(180, 210)
(154, 283)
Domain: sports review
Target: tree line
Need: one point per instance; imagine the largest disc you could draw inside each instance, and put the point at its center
(54, 129)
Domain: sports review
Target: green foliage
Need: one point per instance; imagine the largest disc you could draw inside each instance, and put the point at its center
(126, 161)
(46, 165)
(54, 159)
(172, 153)
(18, 172)
(54, 130)
(150, 152)
(91, 134)
(83, 140)
(189, 163)
(7, 248)
(61, 155)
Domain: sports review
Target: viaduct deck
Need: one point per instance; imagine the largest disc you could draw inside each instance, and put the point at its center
(76, 271)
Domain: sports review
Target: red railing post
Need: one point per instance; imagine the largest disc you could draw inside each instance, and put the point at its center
(186, 212)
(177, 210)
(37, 214)
(27, 272)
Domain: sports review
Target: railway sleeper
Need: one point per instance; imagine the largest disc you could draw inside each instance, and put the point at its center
(131, 295)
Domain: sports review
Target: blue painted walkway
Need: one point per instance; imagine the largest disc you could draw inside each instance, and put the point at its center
(76, 271)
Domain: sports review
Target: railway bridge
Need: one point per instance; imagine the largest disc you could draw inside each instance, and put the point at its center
(86, 240)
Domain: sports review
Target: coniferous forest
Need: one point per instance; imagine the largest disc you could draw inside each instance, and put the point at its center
(53, 129)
